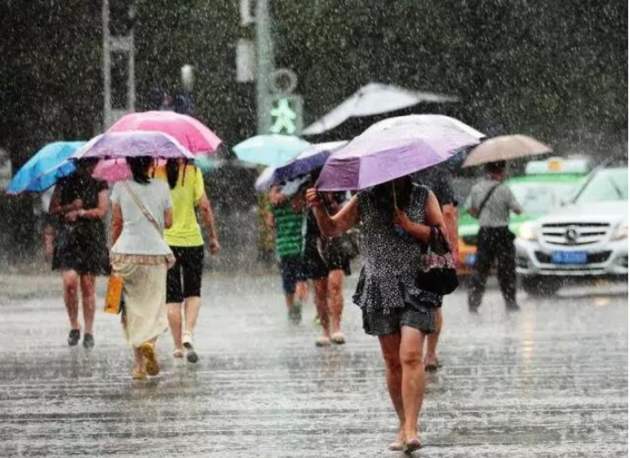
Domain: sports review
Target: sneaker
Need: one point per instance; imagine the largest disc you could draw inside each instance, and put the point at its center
(88, 341)
(191, 355)
(74, 337)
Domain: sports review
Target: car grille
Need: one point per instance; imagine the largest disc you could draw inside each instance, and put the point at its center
(591, 258)
(574, 234)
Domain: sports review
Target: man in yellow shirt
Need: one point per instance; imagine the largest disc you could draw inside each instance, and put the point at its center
(183, 284)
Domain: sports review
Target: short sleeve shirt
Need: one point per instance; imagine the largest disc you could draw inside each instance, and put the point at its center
(185, 231)
(496, 212)
(139, 236)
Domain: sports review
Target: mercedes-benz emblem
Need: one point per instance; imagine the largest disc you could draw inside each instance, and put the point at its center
(571, 234)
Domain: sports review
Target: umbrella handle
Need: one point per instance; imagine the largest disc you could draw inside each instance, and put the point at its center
(394, 194)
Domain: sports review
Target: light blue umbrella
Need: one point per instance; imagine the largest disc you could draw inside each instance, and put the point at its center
(45, 168)
(272, 149)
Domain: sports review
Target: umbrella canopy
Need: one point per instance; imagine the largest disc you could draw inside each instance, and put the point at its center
(272, 149)
(264, 180)
(112, 170)
(504, 148)
(313, 157)
(373, 99)
(132, 144)
(191, 133)
(426, 123)
(379, 156)
(47, 166)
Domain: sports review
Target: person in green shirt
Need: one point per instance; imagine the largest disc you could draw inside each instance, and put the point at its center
(183, 283)
(288, 223)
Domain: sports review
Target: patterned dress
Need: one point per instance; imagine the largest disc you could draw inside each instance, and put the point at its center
(391, 258)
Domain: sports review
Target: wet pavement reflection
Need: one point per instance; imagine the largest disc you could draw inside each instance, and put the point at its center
(550, 380)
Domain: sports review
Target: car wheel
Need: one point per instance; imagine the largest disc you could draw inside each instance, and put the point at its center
(540, 286)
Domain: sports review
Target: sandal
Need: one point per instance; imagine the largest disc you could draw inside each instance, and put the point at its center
(322, 341)
(150, 362)
(138, 374)
(412, 445)
(338, 338)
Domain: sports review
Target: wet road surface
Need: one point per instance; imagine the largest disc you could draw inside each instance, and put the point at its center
(550, 380)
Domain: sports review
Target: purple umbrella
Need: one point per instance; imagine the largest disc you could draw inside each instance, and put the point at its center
(379, 156)
(133, 144)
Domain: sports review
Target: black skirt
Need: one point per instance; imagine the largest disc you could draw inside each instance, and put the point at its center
(81, 247)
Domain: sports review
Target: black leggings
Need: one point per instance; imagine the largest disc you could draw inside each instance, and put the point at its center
(184, 278)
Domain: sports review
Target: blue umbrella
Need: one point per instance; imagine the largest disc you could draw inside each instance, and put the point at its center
(270, 149)
(45, 168)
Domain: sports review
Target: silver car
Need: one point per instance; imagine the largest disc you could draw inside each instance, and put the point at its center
(588, 238)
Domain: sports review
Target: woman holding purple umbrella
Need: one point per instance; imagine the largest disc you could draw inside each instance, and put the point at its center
(396, 219)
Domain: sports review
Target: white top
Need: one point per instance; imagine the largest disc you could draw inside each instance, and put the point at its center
(139, 236)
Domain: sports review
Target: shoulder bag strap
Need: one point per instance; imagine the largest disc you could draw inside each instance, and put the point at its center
(143, 209)
(485, 199)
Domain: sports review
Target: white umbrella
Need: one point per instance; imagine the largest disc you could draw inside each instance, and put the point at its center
(504, 148)
(373, 99)
(421, 124)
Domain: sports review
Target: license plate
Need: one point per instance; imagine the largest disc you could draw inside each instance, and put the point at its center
(569, 257)
(470, 259)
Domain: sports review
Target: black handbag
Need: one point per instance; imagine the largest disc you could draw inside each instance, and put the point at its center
(437, 272)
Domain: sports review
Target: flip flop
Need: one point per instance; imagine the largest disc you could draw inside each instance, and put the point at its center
(412, 445)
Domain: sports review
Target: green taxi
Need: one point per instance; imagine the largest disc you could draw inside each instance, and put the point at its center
(545, 186)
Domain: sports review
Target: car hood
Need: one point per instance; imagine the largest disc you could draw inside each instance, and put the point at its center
(611, 211)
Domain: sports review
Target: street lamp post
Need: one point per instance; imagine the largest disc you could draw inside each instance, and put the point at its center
(264, 65)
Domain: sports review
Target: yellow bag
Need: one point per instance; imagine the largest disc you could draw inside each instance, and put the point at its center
(113, 297)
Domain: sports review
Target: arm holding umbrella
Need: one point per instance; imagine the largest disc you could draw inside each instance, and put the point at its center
(332, 226)
(93, 213)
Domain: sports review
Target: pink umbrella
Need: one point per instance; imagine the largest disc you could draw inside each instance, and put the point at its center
(116, 169)
(195, 136)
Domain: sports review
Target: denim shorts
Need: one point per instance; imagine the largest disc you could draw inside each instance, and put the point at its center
(377, 323)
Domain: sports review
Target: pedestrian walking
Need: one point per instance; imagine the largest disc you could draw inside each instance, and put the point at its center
(439, 180)
(141, 209)
(490, 201)
(396, 219)
(78, 205)
(183, 280)
(287, 222)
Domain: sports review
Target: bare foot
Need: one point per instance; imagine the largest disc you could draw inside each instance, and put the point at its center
(399, 444)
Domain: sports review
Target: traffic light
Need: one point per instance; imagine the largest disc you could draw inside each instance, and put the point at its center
(286, 114)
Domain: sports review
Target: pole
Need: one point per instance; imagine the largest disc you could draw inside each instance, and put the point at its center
(264, 65)
(107, 66)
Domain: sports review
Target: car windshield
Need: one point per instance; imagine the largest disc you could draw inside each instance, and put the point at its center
(540, 198)
(607, 184)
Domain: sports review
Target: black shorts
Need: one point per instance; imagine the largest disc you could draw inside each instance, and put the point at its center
(376, 323)
(184, 278)
(292, 271)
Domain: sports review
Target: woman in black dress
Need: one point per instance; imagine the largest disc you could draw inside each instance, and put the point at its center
(79, 204)
(395, 222)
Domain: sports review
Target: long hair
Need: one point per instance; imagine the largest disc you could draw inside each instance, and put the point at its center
(172, 172)
(140, 168)
(382, 196)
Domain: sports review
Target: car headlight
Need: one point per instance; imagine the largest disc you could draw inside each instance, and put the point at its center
(527, 231)
(620, 232)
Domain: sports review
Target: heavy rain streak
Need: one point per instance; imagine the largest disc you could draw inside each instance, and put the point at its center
(326, 228)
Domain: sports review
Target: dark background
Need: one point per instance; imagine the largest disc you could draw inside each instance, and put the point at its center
(554, 70)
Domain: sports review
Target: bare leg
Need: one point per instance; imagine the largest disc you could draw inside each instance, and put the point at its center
(411, 344)
(191, 312)
(290, 300)
(301, 292)
(390, 347)
(335, 299)
(88, 299)
(321, 302)
(138, 360)
(432, 340)
(71, 297)
(175, 323)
